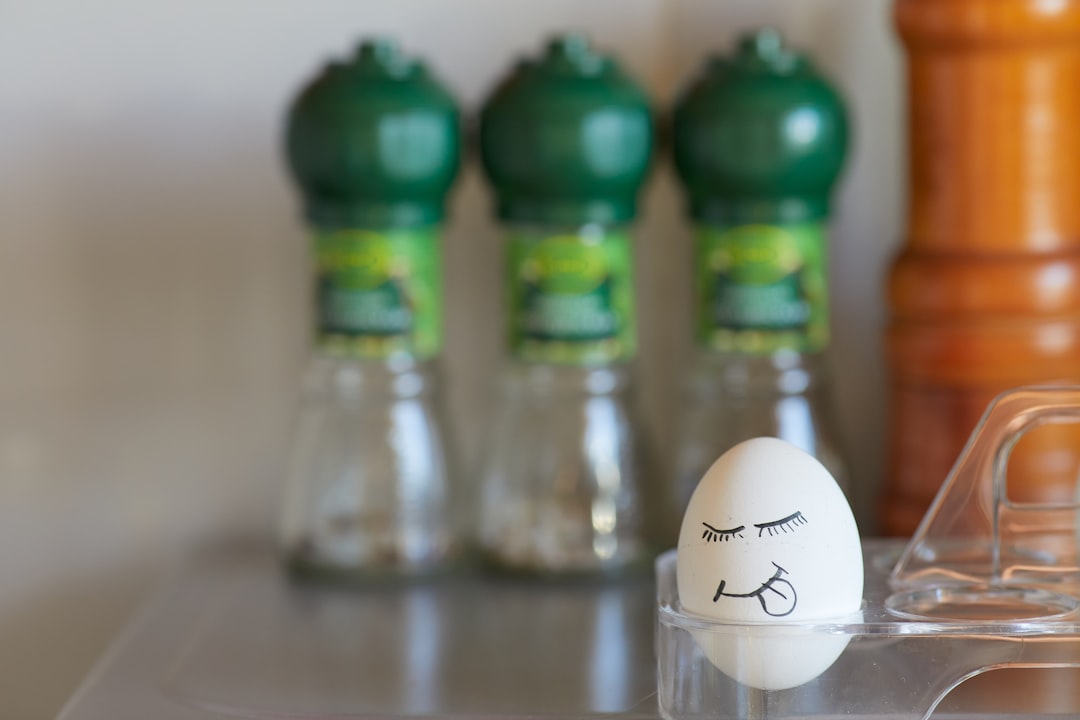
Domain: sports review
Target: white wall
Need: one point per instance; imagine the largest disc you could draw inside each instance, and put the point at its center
(152, 267)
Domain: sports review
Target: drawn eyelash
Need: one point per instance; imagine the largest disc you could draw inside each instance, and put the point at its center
(712, 534)
(785, 525)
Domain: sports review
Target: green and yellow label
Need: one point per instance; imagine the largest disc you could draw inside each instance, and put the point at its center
(762, 288)
(379, 293)
(571, 298)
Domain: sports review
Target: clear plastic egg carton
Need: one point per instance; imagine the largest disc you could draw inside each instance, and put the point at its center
(977, 616)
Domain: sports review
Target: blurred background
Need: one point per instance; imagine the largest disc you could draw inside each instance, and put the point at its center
(154, 278)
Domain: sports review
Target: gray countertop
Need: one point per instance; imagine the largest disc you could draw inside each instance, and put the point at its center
(233, 637)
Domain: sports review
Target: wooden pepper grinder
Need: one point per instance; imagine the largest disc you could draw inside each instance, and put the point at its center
(985, 293)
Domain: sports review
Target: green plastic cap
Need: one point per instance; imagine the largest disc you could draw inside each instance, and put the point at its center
(566, 139)
(760, 136)
(374, 142)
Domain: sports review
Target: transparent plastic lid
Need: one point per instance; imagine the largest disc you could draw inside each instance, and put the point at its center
(974, 534)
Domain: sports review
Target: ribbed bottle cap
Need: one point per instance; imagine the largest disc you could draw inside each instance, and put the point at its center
(566, 138)
(759, 136)
(374, 141)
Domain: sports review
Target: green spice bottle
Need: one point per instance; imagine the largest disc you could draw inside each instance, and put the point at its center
(565, 141)
(374, 145)
(759, 142)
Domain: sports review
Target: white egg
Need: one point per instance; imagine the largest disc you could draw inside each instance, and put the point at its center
(768, 537)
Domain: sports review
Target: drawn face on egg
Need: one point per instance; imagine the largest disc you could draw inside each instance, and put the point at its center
(776, 594)
(769, 536)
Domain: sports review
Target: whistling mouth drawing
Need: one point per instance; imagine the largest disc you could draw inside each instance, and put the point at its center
(776, 595)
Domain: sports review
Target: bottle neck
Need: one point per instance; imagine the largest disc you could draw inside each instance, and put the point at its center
(514, 209)
(733, 209)
(337, 213)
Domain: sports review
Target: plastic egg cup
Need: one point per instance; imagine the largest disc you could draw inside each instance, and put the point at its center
(986, 584)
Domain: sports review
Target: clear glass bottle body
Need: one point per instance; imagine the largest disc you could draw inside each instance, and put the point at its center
(731, 397)
(565, 486)
(369, 491)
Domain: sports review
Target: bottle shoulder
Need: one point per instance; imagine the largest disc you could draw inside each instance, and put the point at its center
(740, 374)
(399, 376)
(544, 379)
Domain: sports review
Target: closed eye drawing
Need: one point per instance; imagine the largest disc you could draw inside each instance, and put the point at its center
(782, 526)
(713, 534)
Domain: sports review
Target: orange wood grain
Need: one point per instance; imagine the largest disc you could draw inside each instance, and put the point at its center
(985, 293)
